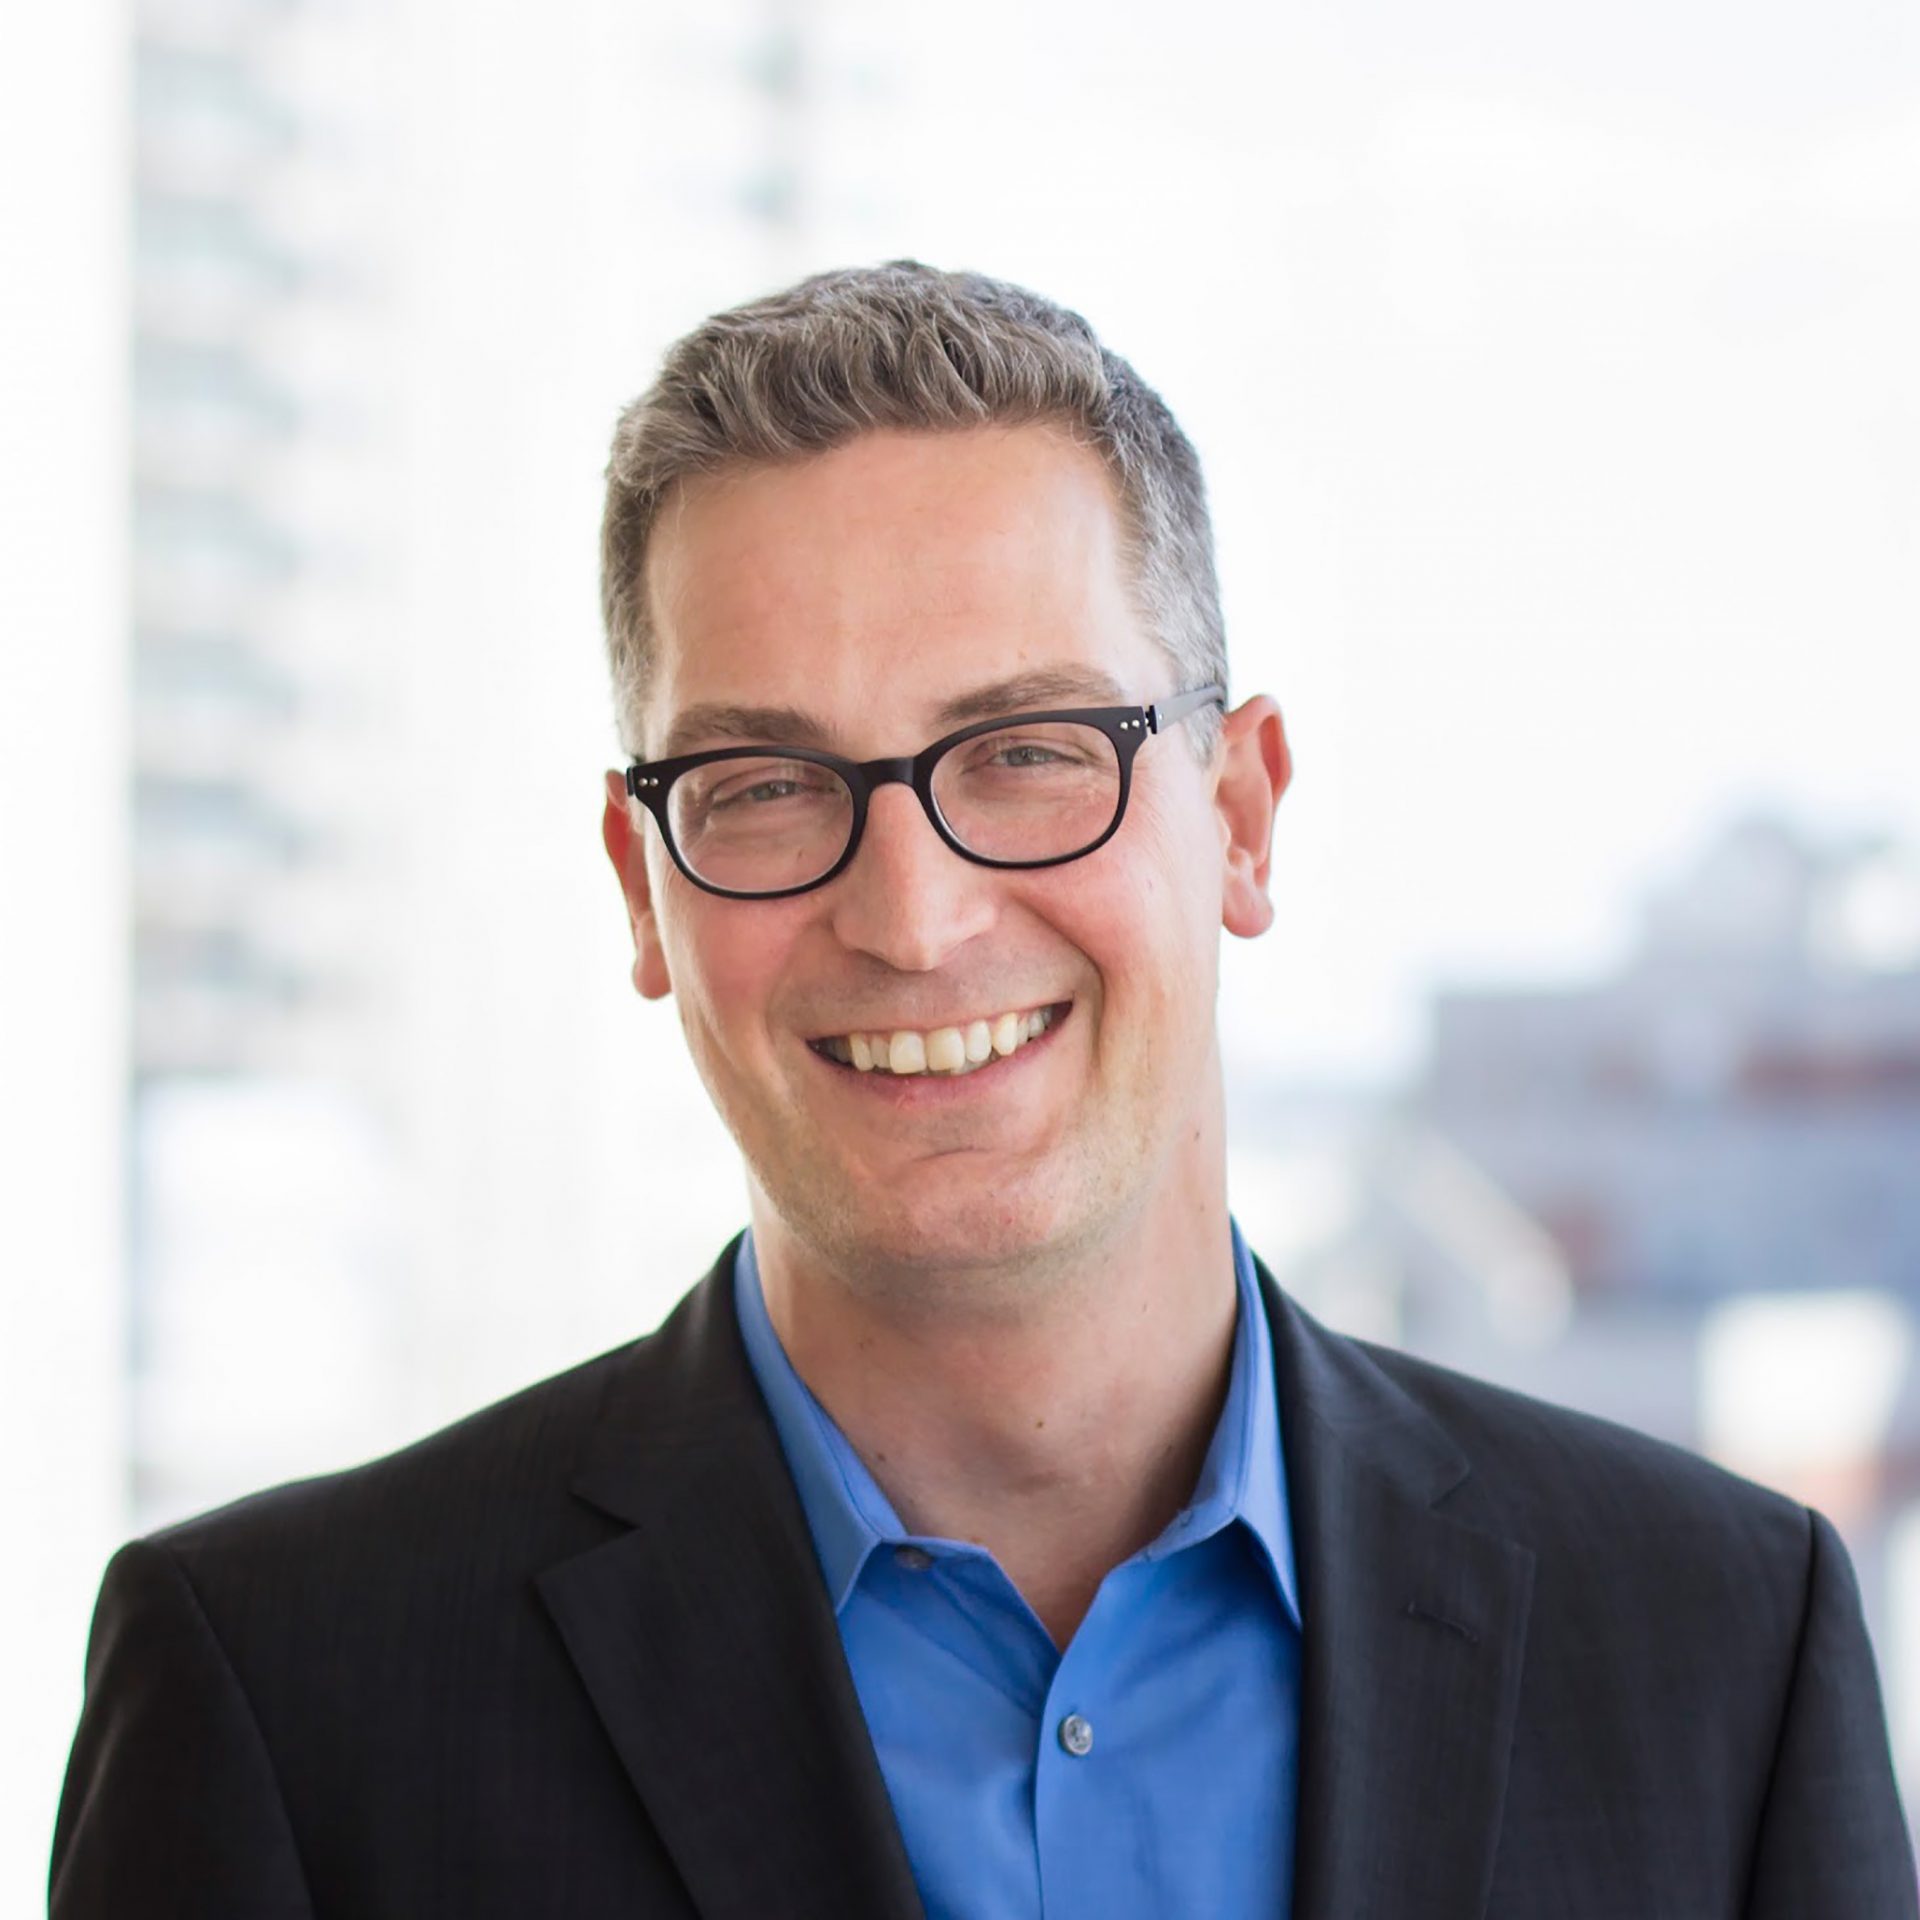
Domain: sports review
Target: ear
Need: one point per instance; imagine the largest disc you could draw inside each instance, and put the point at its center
(1254, 768)
(625, 835)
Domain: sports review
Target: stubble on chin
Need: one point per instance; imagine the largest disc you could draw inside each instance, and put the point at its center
(946, 1240)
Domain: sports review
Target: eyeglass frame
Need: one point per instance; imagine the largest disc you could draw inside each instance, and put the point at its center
(1127, 728)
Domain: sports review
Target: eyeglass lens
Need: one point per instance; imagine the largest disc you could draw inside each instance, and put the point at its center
(1029, 791)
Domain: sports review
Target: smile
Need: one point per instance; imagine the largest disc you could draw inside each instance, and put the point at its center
(952, 1051)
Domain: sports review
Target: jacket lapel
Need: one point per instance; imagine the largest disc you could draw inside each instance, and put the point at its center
(1414, 1635)
(705, 1638)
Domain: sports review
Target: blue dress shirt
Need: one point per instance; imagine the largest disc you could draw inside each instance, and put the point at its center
(1149, 1769)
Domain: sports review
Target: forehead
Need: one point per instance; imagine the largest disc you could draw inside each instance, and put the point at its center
(877, 584)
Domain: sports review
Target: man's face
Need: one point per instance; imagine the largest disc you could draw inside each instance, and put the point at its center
(874, 590)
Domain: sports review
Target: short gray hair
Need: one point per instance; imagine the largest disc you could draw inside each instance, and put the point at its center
(906, 346)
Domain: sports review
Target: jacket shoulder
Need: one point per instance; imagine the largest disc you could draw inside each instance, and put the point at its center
(1550, 1471)
(470, 1480)
(482, 1499)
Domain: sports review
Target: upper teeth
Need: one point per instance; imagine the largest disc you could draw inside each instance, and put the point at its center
(942, 1049)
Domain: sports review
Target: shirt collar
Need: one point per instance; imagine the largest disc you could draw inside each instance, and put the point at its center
(1242, 1478)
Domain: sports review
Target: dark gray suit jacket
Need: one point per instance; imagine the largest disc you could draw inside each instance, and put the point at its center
(574, 1657)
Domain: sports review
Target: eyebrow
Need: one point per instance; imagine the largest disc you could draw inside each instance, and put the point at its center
(1018, 693)
(711, 721)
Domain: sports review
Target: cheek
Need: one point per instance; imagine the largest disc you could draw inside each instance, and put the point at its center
(1166, 909)
(725, 960)
(1148, 920)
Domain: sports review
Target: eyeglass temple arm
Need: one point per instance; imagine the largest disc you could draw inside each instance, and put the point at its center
(1167, 712)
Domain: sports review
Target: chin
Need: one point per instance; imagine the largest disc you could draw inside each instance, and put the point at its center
(998, 1234)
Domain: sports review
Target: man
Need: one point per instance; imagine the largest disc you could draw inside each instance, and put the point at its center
(986, 1534)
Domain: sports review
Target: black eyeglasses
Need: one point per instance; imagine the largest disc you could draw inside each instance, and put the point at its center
(1027, 790)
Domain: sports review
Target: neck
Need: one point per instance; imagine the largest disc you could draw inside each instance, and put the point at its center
(1062, 1436)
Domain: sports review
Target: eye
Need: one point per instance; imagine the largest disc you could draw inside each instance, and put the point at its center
(1043, 749)
(753, 793)
(755, 786)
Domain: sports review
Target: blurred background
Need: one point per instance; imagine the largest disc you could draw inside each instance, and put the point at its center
(1554, 374)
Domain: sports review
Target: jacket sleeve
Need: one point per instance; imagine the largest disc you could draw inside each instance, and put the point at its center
(170, 1806)
(1832, 1844)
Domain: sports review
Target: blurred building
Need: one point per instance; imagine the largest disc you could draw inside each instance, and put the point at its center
(263, 624)
(1738, 1109)
(1585, 1182)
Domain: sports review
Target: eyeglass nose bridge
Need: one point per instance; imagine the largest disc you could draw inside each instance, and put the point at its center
(915, 772)
(890, 773)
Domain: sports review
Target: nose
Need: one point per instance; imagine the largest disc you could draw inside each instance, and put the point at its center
(908, 898)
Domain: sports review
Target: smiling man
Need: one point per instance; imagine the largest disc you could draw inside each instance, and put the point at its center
(986, 1535)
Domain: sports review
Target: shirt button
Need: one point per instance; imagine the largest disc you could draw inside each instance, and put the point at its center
(1076, 1735)
(914, 1559)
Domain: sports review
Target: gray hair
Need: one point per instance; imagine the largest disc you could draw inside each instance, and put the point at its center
(907, 346)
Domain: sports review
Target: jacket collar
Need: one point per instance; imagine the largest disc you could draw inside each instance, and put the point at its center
(706, 1638)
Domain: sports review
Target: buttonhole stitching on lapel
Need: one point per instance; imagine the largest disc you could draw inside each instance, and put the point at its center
(1415, 1611)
